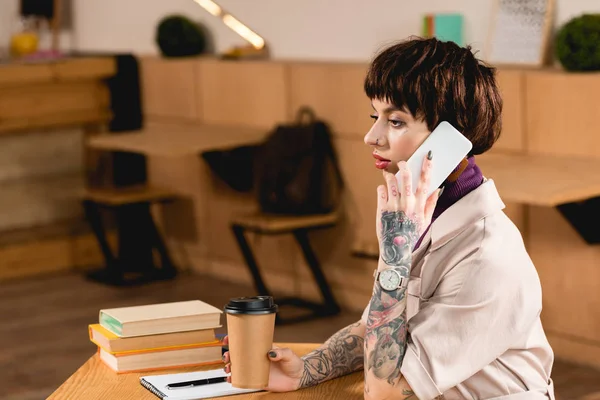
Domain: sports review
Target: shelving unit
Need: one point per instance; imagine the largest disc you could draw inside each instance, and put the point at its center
(43, 96)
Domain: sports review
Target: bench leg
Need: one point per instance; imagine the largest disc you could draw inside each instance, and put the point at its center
(259, 283)
(318, 310)
(330, 306)
(137, 237)
(92, 214)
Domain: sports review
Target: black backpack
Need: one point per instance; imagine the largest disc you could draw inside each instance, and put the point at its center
(296, 170)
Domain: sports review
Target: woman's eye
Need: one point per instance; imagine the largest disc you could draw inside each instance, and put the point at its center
(395, 123)
(374, 117)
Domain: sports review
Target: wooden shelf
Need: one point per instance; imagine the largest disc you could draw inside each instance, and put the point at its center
(119, 197)
(542, 180)
(278, 223)
(18, 72)
(165, 139)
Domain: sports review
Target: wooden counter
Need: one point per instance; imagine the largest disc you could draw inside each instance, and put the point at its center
(53, 94)
(94, 380)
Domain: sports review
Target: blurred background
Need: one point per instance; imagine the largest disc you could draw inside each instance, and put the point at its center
(136, 146)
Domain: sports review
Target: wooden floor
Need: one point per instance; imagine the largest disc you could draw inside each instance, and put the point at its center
(44, 331)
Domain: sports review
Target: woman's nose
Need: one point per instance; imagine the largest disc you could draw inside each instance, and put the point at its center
(372, 139)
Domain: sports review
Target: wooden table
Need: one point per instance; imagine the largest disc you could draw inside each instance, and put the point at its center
(94, 380)
(178, 140)
(542, 180)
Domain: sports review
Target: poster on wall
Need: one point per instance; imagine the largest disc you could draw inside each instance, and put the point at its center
(520, 32)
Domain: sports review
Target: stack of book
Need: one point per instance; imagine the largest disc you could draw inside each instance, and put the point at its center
(158, 336)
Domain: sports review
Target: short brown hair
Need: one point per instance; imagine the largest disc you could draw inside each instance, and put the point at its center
(439, 81)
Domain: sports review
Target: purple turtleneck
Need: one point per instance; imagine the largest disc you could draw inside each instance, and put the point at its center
(469, 180)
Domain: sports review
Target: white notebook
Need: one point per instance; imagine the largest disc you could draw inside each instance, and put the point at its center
(157, 384)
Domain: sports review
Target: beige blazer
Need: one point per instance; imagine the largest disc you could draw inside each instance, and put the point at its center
(474, 303)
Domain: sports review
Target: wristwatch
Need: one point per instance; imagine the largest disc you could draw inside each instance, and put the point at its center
(390, 279)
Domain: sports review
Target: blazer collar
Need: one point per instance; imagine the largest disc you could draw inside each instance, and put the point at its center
(475, 206)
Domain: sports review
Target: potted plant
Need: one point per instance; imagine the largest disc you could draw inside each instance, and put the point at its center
(578, 43)
(179, 36)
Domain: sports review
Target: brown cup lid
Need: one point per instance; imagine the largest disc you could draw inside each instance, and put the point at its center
(251, 305)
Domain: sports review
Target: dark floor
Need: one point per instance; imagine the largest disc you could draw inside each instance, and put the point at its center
(44, 331)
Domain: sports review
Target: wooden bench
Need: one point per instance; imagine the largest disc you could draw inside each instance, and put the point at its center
(137, 233)
(299, 226)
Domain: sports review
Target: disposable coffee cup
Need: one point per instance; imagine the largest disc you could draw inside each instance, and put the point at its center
(250, 326)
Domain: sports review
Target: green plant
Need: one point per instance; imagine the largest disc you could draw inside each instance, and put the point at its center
(578, 43)
(178, 36)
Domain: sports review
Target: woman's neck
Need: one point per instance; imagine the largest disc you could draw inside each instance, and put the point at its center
(464, 179)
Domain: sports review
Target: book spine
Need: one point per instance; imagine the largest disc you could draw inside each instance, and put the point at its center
(112, 324)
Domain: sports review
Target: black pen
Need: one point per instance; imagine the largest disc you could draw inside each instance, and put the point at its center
(199, 382)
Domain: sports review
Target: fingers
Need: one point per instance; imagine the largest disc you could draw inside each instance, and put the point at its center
(381, 204)
(430, 205)
(393, 193)
(406, 189)
(225, 341)
(382, 197)
(227, 362)
(424, 182)
(280, 354)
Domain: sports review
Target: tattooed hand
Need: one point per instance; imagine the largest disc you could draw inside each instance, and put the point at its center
(403, 216)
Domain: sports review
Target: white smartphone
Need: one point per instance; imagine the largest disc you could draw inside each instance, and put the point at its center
(448, 146)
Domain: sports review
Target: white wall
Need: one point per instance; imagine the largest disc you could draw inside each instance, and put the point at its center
(349, 30)
(307, 29)
(9, 23)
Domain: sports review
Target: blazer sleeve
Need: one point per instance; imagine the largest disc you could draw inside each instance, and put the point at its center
(479, 310)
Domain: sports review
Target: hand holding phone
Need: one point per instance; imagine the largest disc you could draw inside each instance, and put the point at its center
(448, 146)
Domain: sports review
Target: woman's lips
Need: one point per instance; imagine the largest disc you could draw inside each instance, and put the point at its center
(380, 162)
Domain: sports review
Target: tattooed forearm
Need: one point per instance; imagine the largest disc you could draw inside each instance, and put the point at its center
(399, 234)
(385, 336)
(341, 354)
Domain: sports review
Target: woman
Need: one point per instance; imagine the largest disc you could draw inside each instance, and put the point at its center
(464, 323)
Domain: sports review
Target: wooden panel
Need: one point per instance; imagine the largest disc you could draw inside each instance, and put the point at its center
(352, 287)
(93, 68)
(335, 92)
(17, 74)
(562, 113)
(58, 120)
(576, 351)
(273, 253)
(34, 258)
(85, 68)
(569, 270)
(542, 180)
(511, 84)
(169, 88)
(39, 100)
(361, 180)
(246, 93)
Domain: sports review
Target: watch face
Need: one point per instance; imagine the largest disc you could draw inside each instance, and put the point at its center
(389, 279)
